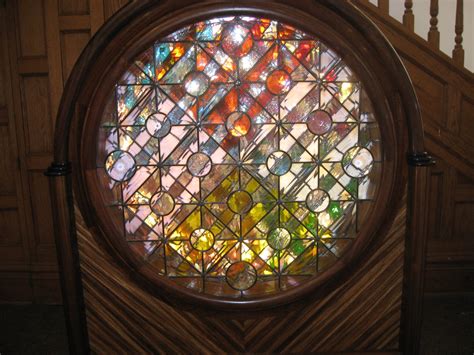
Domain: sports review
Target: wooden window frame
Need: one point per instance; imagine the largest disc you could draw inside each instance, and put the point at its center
(133, 29)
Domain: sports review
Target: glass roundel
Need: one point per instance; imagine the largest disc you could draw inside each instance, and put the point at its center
(240, 156)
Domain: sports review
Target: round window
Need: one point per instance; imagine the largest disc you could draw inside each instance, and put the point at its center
(240, 157)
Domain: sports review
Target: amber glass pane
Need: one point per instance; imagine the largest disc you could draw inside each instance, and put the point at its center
(239, 152)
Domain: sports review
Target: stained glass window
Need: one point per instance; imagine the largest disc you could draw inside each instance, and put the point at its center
(240, 155)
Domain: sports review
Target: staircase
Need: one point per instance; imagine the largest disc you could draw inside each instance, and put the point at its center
(445, 90)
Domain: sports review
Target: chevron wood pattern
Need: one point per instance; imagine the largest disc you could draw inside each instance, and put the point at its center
(363, 314)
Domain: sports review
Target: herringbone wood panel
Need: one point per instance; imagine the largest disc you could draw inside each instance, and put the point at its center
(361, 314)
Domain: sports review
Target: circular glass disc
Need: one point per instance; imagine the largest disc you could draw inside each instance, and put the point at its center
(318, 200)
(199, 164)
(240, 202)
(319, 122)
(279, 238)
(241, 275)
(357, 162)
(279, 163)
(157, 125)
(278, 82)
(202, 239)
(120, 165)
(196, 83)
(238, 124)
(236, 40)
(162, 203)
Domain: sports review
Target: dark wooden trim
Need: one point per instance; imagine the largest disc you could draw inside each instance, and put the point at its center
(415, 256)
(68, 257)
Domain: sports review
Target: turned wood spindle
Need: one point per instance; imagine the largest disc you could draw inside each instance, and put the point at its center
(433, 34)
(384, 6)
(458, 51)
(408, 16)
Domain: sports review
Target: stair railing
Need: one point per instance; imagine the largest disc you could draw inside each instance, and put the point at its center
(433, 33)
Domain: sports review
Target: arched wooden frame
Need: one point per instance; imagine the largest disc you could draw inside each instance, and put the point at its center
(134, 28)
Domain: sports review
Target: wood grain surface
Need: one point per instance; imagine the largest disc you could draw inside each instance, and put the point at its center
(361, 315)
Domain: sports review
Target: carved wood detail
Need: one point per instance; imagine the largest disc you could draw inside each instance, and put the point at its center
(433, 34)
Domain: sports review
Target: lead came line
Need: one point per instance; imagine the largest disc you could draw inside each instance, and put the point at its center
(270, 246)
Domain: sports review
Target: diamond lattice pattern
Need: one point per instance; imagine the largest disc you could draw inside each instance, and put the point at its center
(242, 154)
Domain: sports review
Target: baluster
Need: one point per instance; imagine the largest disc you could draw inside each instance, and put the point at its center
(433, 34)
(458, 51)
(408, 17)
(384, 5)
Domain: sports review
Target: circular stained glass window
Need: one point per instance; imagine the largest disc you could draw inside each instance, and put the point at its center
(242, 156)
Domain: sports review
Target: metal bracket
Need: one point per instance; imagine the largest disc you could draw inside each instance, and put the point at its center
(58, 169)
(420, 159)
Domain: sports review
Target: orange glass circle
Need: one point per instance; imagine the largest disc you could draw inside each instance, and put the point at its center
(278, 82)
(238, 124)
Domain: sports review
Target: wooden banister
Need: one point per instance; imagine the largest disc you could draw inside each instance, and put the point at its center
(433, 34)
(408, 16)
(458, 51)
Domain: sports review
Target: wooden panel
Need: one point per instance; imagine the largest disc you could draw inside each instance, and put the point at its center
(36, 112)
(441, 201)
(3, 115)
(31, 28)
(430, 91)
(7, 168)
(446, 97)
(463, 220)
(9, 226)
(41, 204)
(71, 23)
(436, 199)
(8, 202)
(46, 288)
(36, 65)
(13, 256)
(362, 314)
(3, 99)
(74, 7)
(449, 277)
(466, 123)
(72, 44)
(450, 252)
(97, 15)
(39, 162)
(15, 287)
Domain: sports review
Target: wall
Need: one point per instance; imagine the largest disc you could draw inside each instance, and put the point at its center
(40, 42)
